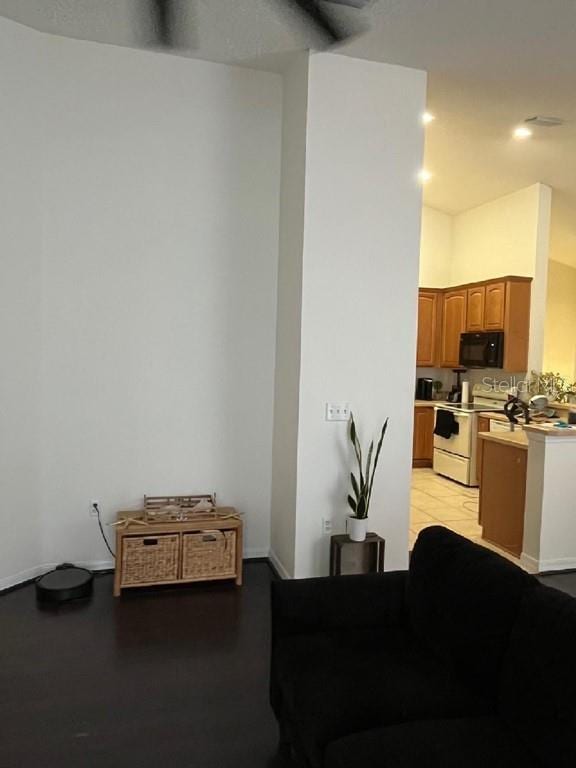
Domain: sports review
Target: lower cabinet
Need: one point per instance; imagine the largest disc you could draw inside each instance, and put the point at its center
(483, 426)
(503, 494)
(423, 445)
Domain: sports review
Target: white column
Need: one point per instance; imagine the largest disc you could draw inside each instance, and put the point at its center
(359, 282)
(550, 514)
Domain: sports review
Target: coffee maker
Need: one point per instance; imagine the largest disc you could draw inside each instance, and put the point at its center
(424, 389)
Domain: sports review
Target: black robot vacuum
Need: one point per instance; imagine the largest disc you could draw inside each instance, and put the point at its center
(64, 583)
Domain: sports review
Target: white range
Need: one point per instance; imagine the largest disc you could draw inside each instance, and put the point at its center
(455, 456)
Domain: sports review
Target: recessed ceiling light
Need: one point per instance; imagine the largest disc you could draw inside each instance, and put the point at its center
(427, 117)
(522, 132)
(424, 176)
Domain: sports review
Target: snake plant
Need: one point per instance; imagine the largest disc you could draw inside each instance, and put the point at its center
(362, 485)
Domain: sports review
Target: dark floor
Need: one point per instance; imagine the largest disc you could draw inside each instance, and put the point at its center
(175, 678)
(563, 581)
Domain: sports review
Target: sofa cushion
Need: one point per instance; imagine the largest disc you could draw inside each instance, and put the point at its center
(456, 743)
(462, 601)
(538, 690)
(334, 684)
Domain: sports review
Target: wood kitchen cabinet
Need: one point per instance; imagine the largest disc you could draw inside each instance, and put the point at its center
(486, 309)
(516, 324)
(503, 493)
(475, 309)
(483, 426)
(490, 305)
(423, 443)
(454, 308)
(495, 307)
(426, 352)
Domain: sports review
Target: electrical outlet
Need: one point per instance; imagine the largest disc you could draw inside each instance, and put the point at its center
(91, 511)
(326, 526)
(337, 412)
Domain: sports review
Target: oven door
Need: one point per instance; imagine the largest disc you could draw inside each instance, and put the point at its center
(460, 444)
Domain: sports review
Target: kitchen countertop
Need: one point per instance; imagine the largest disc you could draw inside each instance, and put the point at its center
(493, 415)
(517, 438)
(534, 422)
(520, 438)
(442, 403)
(551, 431)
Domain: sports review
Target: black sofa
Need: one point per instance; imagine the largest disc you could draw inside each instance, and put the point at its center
(464, 661)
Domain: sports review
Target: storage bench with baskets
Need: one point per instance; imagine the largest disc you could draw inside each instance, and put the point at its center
(207, 548)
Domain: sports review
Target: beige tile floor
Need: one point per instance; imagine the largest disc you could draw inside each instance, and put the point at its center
(435, 500)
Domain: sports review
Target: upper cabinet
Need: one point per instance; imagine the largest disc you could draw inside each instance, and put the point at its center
(486, 307)
(476, 308)
(492, 305)
(494, 311)
(516, 324)
(427, 328)
(453, 324)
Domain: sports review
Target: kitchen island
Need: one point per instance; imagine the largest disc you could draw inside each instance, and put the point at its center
(527, 488)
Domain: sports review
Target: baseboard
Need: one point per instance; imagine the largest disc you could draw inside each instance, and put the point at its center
(96, 565)
(278, 565)
(557, 565)
(529, 563)
(255, 553)
(22, 577)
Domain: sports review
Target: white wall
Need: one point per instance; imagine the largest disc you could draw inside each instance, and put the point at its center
(498, 238)
(360, 277)
(20, 294)
(507, 236)
(493, 240)
(158, 301)
(435, 248)
(540, 281)
(560, 332)
(287, 375)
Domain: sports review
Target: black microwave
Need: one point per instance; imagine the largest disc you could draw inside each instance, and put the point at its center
(482, 350)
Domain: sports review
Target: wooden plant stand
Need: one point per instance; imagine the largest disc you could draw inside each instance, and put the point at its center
(349, 557)
(207, 548)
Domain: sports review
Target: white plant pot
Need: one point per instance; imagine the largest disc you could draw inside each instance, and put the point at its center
(356, 528)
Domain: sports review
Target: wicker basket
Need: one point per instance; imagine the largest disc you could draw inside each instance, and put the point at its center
(209, 554)
(150, 559)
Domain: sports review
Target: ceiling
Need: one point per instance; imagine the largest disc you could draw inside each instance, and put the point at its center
(491, 63)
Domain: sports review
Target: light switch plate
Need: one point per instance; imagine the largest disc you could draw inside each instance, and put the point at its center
(337, 411)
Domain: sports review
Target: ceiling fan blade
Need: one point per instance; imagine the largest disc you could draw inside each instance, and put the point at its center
(350, 3)
(325, 24)
(163, 21)
(170, 24)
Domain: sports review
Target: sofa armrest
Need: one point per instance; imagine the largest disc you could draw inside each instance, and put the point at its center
(302, 606)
